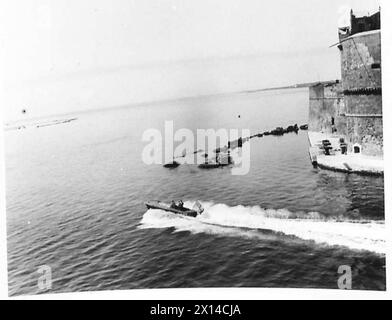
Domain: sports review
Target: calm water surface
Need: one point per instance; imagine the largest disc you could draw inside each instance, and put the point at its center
(75, 196)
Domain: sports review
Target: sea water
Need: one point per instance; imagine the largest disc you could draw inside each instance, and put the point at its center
(76, 192)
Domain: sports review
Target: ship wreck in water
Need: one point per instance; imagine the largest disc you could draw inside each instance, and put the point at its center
(345, 117)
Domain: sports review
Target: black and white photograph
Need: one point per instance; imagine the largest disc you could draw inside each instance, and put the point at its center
(177, 144)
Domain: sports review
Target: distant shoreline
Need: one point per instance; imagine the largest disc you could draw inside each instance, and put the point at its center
(294, 86)
(73, 113)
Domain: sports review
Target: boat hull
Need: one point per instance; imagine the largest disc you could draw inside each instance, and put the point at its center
(209, 166)
(166, 207)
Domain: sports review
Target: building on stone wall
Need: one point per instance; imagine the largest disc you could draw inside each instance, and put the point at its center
(352, 108)
(360, 24)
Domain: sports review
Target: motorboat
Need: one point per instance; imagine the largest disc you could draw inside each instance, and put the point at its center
(176, 208)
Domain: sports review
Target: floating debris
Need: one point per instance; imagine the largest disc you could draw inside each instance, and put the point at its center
(211, 165)
(277, 132)
(217, 164)
(304, 127)
(225, 159)
(293, 128)
(172, 165)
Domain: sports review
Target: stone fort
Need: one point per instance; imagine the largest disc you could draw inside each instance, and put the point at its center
(352, 107)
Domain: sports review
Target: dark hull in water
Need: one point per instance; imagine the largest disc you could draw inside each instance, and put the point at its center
(166, 207)
(172, 165)
(209, 166)
(225, 162)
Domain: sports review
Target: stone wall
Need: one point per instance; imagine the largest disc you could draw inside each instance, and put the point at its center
(361, 83)
(363, 104)
(325, 106)
(365, 123)
(367, 133)
(361, 61)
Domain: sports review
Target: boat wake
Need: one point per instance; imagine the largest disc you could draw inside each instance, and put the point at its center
(251, 221)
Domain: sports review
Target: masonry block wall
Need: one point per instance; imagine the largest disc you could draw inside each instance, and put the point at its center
(361, 61)
(361, 82)
(326, 105)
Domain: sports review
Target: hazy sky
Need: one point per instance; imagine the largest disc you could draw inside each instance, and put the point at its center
(67, 55)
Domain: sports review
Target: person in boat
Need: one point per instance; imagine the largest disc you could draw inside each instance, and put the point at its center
(179, 205)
